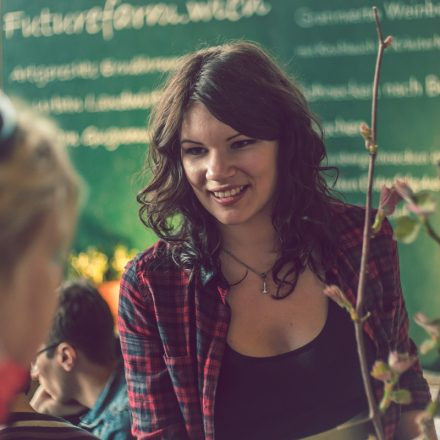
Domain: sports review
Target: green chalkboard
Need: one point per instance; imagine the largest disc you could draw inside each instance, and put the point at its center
(95, 65)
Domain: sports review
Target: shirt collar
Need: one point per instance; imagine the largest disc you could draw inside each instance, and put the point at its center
(108, 394)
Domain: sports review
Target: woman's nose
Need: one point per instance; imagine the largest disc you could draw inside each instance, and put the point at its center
(219, 166)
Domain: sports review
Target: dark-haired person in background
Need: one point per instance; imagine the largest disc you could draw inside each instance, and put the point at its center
(80, 367)
(224, 327)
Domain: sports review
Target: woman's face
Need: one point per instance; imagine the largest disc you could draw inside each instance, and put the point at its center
(232, 175)
(28, 298)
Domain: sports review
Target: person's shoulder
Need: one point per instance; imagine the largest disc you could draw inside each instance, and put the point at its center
(111, 413)
(347, 216)
(155, 257)
(115, 415)
(154, 265)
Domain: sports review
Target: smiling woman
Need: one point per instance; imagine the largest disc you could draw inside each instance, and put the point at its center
(38, 203)
(225, 331)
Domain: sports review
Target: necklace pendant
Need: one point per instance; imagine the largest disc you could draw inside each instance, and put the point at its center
(264, 291)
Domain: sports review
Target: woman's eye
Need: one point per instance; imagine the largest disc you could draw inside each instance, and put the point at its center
(194, 151)
(242, 143)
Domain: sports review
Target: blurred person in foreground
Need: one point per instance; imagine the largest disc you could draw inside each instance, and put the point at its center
(80, 367)
(38, 206)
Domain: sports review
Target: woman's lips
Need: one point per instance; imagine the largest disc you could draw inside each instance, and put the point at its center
(229, 197)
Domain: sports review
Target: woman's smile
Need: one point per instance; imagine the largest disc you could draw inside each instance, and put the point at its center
(231, 196)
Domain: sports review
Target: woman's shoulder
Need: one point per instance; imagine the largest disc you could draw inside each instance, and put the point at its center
(347, 214)
(156, 263)
(154, 273)
(157, 257)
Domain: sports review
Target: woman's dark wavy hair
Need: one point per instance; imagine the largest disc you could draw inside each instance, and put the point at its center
(242, 87)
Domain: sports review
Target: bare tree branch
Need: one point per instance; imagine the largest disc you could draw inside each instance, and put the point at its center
(374, 412)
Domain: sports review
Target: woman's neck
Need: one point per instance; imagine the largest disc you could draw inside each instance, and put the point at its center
(260, 238)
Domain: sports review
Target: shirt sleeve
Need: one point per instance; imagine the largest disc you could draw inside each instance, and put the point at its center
(413, 379)
(153, 403)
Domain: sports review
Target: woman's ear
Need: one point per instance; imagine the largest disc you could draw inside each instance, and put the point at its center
(66, 356)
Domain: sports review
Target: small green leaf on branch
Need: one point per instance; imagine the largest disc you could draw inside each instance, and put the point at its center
(423, 205)
(381, 371)
(388, 41)
(402, 397)
(428, 345)
(406, 229)
(372, 148)
(388, 200)
(424, 420)
(404, 190)
(433, 409)
(432, 327)
(389, 374)
(337, 295)
(366, 133)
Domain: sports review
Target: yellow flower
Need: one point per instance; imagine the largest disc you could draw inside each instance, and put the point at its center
(120, 259)
(97, 267)
(91, 264)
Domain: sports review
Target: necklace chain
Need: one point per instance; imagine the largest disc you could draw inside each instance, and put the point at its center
(262, 275)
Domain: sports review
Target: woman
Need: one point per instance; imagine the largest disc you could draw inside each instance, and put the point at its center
(38, 203)
(224, 328)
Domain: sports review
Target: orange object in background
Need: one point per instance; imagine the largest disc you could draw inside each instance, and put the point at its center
(109, 290)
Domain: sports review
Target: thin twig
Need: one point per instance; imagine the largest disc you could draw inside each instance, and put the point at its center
(376, 76)
(435, 236)
(373, 408)
(430, 231)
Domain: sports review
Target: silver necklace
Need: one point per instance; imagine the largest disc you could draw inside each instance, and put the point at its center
(262, 275)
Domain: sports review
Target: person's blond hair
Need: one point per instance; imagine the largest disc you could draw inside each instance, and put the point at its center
(36, 179)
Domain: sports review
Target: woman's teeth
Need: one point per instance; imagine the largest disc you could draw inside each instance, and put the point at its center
(229, 193)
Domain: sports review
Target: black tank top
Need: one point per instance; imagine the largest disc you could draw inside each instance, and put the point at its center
(295, 394)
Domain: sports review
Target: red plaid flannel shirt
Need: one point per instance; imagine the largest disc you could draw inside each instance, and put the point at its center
(173, 332)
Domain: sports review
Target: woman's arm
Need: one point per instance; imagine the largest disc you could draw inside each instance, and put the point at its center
(154, 406)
